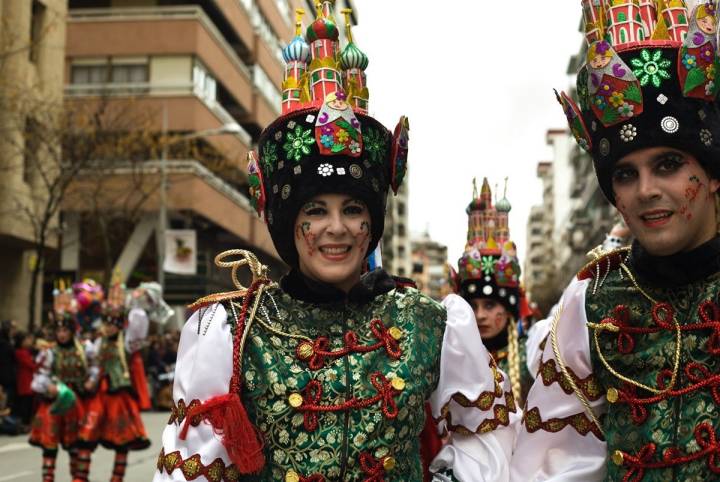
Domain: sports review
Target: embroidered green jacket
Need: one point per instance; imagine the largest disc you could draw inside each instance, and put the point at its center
(670, 435)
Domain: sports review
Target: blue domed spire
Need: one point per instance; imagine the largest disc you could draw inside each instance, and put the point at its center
(297, 50)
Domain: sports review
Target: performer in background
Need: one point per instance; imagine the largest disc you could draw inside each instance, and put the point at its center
(112, 418)
(628, 384)
(331, 375)
(488, 278)
(65, 380)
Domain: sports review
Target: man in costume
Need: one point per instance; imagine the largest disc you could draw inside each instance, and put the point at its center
(330, 375)
(488, 278)
(112, 417)
(65, 379)
(628, 382)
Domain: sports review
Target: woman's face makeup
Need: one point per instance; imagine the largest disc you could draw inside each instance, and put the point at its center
(332, 235)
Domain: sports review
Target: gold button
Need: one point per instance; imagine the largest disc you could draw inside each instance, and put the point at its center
(292, 476)
(618, 457)
(395, 332)
(295, 400)
(389, 463)
(612, 395)
(305, 350)
(398, 383)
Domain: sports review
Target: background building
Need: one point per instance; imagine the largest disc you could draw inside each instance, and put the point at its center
(32, 39)
(396, 245)
(430, 266)
(573, 218)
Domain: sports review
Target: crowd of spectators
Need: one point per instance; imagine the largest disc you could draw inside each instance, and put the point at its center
(18, 351)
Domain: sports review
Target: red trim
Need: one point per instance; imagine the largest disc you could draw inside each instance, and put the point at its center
(642, 460)
(313, 394)
(316, 361)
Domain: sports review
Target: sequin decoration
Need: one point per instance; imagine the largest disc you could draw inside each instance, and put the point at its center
(706, 137)
(604, 147)
(628, 132)
(662, 99)
(669, 124)
(285, 193)
(325, 169)
(356, 171)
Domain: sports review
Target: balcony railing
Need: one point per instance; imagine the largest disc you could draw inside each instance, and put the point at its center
(191, 12)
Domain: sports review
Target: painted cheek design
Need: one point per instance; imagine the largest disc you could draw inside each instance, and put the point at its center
(692, 191)
(303, 231)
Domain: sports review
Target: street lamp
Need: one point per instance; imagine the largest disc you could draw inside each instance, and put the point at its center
(229, 128)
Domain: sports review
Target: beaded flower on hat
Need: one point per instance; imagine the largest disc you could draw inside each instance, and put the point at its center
(489, 267)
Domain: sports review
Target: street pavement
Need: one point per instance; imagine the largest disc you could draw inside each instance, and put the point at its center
(21, 462)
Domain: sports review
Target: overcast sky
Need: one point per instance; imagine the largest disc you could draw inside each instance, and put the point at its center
(476, 82)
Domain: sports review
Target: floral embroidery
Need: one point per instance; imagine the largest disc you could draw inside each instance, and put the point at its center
(626, 110)
(689, 61)
(327, 140)
(342, 136)
(375, 144)
(617, 99)
(600, 103)
(488, 264)
(269, 156)
(297, 143)
(651, 68)
(179, 411)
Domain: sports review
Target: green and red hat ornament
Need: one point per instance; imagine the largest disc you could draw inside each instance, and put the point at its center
(324, 141)
(489, 267)
(649, 80)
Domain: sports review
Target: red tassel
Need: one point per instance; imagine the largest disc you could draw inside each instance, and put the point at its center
(229, 419)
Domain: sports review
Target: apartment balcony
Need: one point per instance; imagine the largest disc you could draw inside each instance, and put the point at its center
(161, 32)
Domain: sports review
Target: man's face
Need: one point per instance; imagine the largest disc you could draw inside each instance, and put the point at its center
(666, 198)
(490, 315)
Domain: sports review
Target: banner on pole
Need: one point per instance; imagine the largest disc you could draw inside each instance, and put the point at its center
(180, 251)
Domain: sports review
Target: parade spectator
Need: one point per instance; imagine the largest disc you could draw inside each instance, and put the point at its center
(7, 359)
(25, 363)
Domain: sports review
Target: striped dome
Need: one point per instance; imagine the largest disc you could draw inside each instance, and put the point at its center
(322, 28)
(296, 50)
(353, 58)
(503, 205)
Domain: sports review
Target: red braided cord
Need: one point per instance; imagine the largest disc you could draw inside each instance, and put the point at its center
(350, 339)
(705, 437)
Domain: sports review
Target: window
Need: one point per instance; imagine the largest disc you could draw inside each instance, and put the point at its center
(37, 18)
(623, 35)
(621, 17)
(126, 74)
(89, 74)
(204, 84)
(32, 146)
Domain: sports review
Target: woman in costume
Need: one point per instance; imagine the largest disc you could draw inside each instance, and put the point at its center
(64, 380)
(628, 388)
(331, 375)
(488, 278)
(112, 418)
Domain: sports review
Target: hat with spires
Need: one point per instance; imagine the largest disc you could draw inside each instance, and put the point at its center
(648, 81)
(324, 141)
(489, 267)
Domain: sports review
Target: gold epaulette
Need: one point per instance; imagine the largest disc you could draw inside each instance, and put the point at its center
(603, 263)
(216, 298)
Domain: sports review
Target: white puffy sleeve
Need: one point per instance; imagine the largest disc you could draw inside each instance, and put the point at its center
(202, 371)
(137, 330)
(558, 440)
(473, 402)
(42, 378)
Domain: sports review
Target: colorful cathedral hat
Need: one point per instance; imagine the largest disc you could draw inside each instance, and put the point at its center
(649, 80)
(489, 267)
(324, 141)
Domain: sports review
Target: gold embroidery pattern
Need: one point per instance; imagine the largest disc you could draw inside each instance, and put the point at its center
(193, 468)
